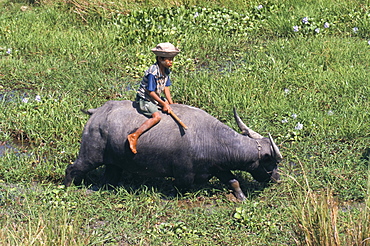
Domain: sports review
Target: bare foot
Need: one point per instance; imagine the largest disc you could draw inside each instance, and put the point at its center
(132, 139)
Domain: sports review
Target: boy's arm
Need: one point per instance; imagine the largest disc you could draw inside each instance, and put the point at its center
(165, 106)
(167, 93)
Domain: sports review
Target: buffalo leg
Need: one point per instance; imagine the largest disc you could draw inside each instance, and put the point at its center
(112, 175)
(184, 182)
(229, 179)
(237, 190)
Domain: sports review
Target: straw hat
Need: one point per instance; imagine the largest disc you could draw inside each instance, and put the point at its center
(165, 50)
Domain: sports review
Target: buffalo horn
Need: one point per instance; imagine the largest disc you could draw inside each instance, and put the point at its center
(246, 130)
(278, 155)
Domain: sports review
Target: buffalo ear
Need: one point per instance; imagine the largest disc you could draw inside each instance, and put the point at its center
(245, 130)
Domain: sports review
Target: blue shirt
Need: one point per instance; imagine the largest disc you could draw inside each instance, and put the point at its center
(152, 82)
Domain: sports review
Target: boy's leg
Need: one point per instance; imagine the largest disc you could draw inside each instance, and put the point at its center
(149, 123)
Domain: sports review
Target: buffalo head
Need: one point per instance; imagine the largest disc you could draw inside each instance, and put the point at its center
(264, 169)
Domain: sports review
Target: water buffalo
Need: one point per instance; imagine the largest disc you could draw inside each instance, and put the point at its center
(207, 148)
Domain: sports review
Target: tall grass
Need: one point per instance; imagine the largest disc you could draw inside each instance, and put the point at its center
(320, 218)
(43, 230)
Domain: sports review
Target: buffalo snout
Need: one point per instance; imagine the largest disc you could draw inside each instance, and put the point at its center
(265, 176)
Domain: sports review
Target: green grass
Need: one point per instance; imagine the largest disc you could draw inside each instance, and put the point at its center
(62, 56)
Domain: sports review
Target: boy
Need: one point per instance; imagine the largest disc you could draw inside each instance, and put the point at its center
(155, 81)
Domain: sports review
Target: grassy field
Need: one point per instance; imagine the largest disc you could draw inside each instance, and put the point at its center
(296, 69)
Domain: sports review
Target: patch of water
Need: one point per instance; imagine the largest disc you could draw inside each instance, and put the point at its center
(12, 96)
(12, 147)
(4, 146)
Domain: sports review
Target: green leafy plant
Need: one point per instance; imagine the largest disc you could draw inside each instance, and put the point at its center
(254, 221)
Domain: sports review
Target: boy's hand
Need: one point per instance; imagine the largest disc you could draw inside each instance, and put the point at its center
(165, 105)
(166, 108)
